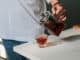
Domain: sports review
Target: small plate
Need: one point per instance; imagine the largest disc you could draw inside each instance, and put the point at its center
(69, 33)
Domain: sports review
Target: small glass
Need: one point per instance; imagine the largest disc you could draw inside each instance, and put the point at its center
(42, 40)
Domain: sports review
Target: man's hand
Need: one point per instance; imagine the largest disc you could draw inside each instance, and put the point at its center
(58, 10)
(76, 27)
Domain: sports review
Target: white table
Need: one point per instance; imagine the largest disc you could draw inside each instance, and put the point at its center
(3, 53)
(64, 50)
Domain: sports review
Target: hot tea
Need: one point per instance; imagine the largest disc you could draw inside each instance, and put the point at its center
(42, 40)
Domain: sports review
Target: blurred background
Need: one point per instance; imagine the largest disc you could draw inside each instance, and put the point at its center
(73, 10)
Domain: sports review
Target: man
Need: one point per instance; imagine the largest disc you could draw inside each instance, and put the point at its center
(19, 22)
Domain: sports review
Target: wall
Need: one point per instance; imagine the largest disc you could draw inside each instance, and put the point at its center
(73, 9)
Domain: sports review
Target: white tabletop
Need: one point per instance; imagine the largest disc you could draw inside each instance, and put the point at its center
(2, 49)
(64, 50)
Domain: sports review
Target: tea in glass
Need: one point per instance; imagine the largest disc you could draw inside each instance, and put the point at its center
(42, 40)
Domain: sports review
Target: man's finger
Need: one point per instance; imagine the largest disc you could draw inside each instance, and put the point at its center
(62, 12)
(64, 18)
(53, 11)
(59, 9)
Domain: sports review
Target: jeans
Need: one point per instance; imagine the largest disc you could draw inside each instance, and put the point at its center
(9, 44)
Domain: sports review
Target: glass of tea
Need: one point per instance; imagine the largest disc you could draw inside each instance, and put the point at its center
(42, 40)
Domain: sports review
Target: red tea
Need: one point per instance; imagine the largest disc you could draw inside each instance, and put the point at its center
(41, 40)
